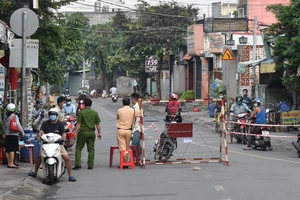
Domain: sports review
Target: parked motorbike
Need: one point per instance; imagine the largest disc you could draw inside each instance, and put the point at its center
(262, 140)
(52, 163)
(296, 144)
(242, 118)
(114, 98)
(71, 124)
(165, 146)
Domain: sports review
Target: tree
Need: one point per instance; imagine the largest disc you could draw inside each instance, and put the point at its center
(287, 43)
(161, 30)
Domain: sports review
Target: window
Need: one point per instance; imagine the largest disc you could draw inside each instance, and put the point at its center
(241, 12)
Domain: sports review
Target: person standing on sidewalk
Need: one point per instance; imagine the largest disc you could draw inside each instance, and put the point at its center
(137, 128)
(126, 118)
(12, 137)
(87, 120)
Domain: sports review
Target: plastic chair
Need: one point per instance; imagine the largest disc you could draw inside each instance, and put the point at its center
(130, 163)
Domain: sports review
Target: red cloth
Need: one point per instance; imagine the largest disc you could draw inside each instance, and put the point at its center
(13, 73)
(173, 106)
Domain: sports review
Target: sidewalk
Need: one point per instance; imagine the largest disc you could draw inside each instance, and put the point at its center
(202, 118)
(16, 185)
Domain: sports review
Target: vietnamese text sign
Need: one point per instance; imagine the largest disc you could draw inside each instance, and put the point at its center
(291, 117)
(32, 54)
(151, 64)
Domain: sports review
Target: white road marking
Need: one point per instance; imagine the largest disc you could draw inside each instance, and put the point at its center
(107, 112)
(219, 187)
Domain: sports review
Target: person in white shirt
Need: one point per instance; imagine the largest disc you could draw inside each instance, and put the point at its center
(137, 128)
(113, 90)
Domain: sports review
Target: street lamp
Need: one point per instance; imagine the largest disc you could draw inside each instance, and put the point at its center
(243, 40)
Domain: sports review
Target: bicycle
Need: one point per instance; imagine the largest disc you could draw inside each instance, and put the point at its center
(218, 122)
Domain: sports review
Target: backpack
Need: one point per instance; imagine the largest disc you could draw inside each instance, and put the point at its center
(13, 124)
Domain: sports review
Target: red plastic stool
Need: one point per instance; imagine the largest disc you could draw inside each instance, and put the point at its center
(2, 154)
(130, 163)
(134, 149)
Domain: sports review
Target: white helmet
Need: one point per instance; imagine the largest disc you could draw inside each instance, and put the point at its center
(53, 111)
(11, 107)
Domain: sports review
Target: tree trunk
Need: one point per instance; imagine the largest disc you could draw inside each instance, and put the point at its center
(158, 90)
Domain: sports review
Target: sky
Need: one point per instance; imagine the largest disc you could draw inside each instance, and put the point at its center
(88, 5)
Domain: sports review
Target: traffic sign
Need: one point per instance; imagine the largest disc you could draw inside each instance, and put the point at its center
(227, 55)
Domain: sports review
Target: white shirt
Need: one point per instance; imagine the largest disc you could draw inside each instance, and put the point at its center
(113, 90)
(137, 124)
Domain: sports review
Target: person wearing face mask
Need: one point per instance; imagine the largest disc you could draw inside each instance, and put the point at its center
(53, 125)
(246, 99)
(69, 108)
(259, 114)
(219, 105)
(237, 108)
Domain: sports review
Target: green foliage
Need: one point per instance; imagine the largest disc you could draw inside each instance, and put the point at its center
(218, 89)
(190, 94)
(286, 32)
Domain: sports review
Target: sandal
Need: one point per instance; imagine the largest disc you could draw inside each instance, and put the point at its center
(72, 179)
(13, 167)
(247, 148)
(32, 174)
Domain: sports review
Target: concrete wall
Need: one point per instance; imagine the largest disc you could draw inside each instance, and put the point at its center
(124, 85)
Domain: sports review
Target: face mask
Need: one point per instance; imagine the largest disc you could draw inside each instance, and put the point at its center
(52, 117)
(68, 103)
(221, 97)
(255, 105)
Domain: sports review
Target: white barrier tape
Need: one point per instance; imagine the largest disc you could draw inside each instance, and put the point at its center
(268, 125)
(187, 101)
(146, 129)
(268, 135)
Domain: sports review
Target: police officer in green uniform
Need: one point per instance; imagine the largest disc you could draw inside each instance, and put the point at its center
(87, 120)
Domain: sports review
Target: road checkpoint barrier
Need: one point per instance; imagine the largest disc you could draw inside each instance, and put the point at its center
(263, 134)
(179, 130)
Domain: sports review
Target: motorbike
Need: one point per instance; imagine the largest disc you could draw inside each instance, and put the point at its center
(114, 98)
(296, 144)
(165, 146)
(262, 140)
(70, 126)
(52, 163)
(242, 118)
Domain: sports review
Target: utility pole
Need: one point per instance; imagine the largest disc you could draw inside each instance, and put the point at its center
(83, 66)
(254, 57)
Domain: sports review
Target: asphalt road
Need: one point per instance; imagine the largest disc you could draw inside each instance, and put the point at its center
(250, 175)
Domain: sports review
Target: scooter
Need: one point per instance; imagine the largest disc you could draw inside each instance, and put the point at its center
(52, 163)
(241, 127)
(296, 144)
(71, 124)
(38, 118)
(262, 140)
(114, 98)
(165, 146)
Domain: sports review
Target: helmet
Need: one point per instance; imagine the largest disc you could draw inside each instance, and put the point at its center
(174, 96)
(11, 107)
(239, 100)
(257, 100)
(53, 111)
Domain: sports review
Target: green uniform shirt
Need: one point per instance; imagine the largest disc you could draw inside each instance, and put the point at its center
(88, 118)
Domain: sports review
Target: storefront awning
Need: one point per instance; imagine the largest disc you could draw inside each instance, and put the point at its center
(187, 57)
(242, 67)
